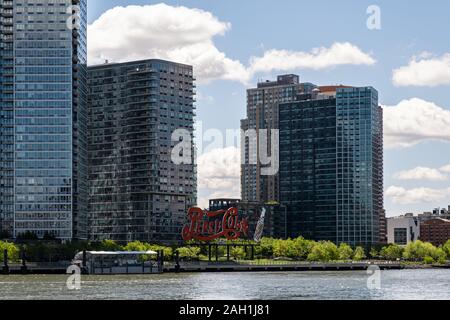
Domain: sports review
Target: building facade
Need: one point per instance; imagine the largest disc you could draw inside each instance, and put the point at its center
(403, 230)
(136, 191)
(43, 117)
(331, 165)
(262, 114)
(436, 231)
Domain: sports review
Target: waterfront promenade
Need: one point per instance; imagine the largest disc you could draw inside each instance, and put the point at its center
(247, 266)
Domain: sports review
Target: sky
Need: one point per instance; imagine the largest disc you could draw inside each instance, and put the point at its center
(399, 47)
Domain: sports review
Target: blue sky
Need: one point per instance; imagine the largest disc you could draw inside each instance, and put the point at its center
(408, 29)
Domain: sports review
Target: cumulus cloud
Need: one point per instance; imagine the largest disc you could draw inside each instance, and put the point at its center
(421, 173)
(445, 169)
(161, 31)
(319, 58)
(187, 35)
(413, 121)
(404, 196)
(219, 173)
(424, 70)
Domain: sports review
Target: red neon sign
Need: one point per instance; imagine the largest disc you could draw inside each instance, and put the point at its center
(203, 226)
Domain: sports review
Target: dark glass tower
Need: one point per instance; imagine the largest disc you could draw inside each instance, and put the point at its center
(331, 166)
(262, 114)
(43, 118)
(136, 191)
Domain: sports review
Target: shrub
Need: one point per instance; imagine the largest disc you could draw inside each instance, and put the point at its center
(345, 252)
(359, 254)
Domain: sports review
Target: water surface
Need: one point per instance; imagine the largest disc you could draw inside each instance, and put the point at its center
(345, 285)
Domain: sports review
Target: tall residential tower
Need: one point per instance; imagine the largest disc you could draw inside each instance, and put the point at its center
(331, 165)
(137, 191)
(262, 114)
(43, 117)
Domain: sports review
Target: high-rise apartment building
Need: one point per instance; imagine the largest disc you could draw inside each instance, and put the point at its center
(331, 165)
(43, 173)
(136, 191)
(262, 114)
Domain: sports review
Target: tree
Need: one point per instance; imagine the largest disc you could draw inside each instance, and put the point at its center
(135, 246)
(418, 251)
(324, 251)
(392, 252)
(237, 253)
(345, 252)
(446, 248)
(374, 253)
(189, 253)
(111, 245)
(265, 248)
(12, 249)
(303, 247)
(359, 254)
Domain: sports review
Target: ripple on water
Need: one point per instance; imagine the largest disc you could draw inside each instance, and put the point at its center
(396, 284)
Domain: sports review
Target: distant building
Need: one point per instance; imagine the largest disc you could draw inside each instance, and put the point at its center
(403, 230)
(331, 165)
(383, 228)
(436, 213)
(43, 119)
(137, 192)
(222, 204)
(262, 113)
(436, 231)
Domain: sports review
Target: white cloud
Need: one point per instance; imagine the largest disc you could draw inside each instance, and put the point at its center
(413, 121)
(424, 70)
(219, 173)
(403, 196)
(161, 31)
(204, 98)
(445, 169)
(187, 35)
(421, 173)
(319, 58)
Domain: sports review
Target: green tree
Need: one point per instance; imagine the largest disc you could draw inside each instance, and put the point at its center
(345, 251)
(12, 249)
(302, 247)
(374, 253)
(237, 253)
(428, 260)
(359, 254)
(111, 245)
(189, 253)
(418, 251)
(446, 248)
(280, 248)
(392, 252)
(324, 251)
(265, 248)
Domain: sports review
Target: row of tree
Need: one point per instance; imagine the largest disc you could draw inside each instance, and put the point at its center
(295, 249)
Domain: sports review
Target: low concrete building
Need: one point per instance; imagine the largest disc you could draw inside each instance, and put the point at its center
(403, 230)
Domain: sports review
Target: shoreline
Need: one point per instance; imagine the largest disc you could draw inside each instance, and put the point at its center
(229, 268)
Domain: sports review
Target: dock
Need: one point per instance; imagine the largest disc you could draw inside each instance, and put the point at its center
(254, 267)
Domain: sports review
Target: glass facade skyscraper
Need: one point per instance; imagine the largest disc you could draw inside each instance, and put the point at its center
(43, 120)
(262, 114)
(136, 191)
(331, 166)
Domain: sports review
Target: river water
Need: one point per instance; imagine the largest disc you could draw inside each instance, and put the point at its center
(345, 285)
